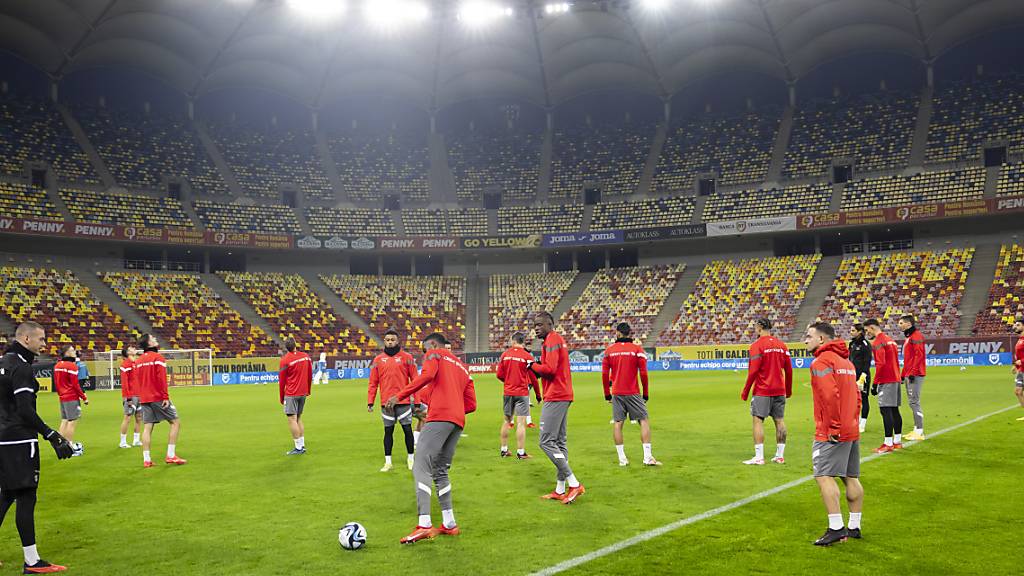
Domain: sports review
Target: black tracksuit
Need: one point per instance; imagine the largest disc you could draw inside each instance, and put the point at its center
(860, 356)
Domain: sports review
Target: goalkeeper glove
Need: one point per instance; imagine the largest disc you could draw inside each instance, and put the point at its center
(61, 446)
(608, 397)
(874, 389)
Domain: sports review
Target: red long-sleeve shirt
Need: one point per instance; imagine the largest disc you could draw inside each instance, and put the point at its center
(836, 395)
(65, 381)
(913, 355)
(553, 369)
(151, 378)
(770, 372)
(390, 374)
(127, 378)
(1018, 354)
(295, 377)
(513, 373)
(887, 359)
(453, 395)
(623, 360)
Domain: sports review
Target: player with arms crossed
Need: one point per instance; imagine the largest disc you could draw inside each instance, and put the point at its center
(154, 401)
(452, 398)
(69, 389)
(517, 382)
(623, 360)
(887, 378)
(913, 372)
(770, 374)
(129, 397)
(391, 371)
(294, 381)
(20, 428)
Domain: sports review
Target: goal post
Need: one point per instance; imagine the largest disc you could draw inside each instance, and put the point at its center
(192, 367)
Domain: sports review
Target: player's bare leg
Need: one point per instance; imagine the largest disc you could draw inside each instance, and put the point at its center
(136, 434)
(506, 425)
(521, 437)
(645, 441)
(780, 441)
(295, 426)
(619, 448)
(147, 438)
(758, 458)
(855, 501)
(172, 440)
(1020, 395)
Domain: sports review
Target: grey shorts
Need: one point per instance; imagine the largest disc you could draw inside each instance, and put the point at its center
(70, 410)
(1019, 380)
(293, 405)
(400, 414)
(131, 405)
(153, 412)
(632, 405)
(890, 395)
(765, 406)
(516, 406)
(841, 460)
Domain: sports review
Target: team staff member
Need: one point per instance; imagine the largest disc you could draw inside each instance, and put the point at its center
(623, 361)
(295, 380)
(860, 356)
(770, 374)
(887, 378)
(391, 371)
(913, 372)
(517, 381)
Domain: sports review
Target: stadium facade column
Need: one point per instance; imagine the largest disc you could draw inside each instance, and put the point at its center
(667, 103)
(929, 66)
(314, 118)
(54, 90)
(191, 109)
(549, 114)
(792, 93)
(433, 120)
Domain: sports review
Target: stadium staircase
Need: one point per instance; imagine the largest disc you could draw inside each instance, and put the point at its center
(547, 151)
(442, 180)
(54, 196)
(216, 283)
(919, 147)
(674, 303)
(396, 217)
(836, 203)
(699, 202)
(817, 291)
(83, 142)
(103, 293)
(7, 328)
(643, 189)
(492, 222)
(572, 295)
(190, 211)
(218, 160)
(779, 148)
(338, 306)
(478, 317)
(979, 281)
(992, 181)
(323, 151)
(588, 217)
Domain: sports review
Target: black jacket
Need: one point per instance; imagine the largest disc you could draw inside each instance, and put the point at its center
(18, 389)
(860, 356)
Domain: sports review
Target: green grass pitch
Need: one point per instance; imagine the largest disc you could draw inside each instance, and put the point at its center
(949, 505)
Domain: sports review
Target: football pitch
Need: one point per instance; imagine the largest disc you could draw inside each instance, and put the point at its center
(945, 506)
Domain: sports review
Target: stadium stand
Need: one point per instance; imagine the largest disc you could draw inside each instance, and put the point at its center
(138, 149)
(642, 214)
(291, 307)
(614, 156)
(1005, 298)
(737, 148)
(540, 219)
(370, 166)
(876, 130)
(454, 222)
(22, 201)
(349, 221)
(269, 219)
(64, 306)
(264, 161)
(187, 314)
(635, 295)
(505, 161)
(966, 115)
(730, 295)
(124, 209)
(515, 297)
(1011, 180)
(928, 285)
(34, 131)
(810, 198)
(940, 186)
(414, 306)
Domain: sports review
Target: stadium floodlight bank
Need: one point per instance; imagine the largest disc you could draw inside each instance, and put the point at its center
(193, 367)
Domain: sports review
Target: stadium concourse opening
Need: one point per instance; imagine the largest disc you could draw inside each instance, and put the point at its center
(569, 248)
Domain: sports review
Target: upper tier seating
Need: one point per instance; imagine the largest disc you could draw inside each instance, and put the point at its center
(810, 198)
(514, 298)
(350, 221)
(540, 219)
(124, 209)
(966, 115)
(634, 295)
(23, 201)
(504, 161)
(642, 214)
(730, 295)
(271, 219)
(33, 130)
(371, 166)
(926, 187)
(414, 306)
(614, 156)
(928, 285)
(186, 314)
(1011, 180)
(451, 222)
(264, 161)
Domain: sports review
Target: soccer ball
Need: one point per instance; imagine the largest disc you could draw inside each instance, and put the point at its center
(352, 536)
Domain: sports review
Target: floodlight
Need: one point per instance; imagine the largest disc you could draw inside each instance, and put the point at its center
(482, 12)
(395, 13)
(318, 9)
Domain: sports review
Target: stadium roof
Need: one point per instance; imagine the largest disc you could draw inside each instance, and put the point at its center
(199, 46)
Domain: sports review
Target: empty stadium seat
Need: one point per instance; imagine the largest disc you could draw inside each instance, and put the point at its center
(642, 214)
(33, 130)
(1011, 180)
(124, 209)
(445, 222)
(515, 298)
(350, 221)
(540, 219)
(609, 155)
(268, 219)
(508, 162)
(22, 201)
(966, 115)
(372, 165)
(266, 160)
(926, 187)
(809, 198)
(1006, 297)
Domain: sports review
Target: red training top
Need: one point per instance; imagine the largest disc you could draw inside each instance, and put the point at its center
(770, 371)
(151, 378)
(127, 378)
(553, 369)
(887, 359)
(836, 395)
(1018, 354)
(65, 381)
(623, 360)
(296, 375)
(913, 355)
(512, 371)
(453, 395)
(390, 374)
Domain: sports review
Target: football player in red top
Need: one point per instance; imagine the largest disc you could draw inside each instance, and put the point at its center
(887, 378)
(517, 381)
(129, 397)
(151, 385)
(1018, 362)
(391, 371)
(65, 383)
(295, 381)
(914, 354)
(770, 374)
(623, 362)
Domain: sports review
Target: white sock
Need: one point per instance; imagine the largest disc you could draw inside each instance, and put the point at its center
(780, 450)
(621, 450)
(835, 521)
(298, 443)
(521, 451)
(124, 438)
(504, 448)
(529, 419)
(918, 431)
(573, 482)
(170, 450)
(854, 520)
(425, 521)
(302, 442)
(448, 518)
(759, 451)
(560, 487)
(31, 555)
(888, 441)
(415, 437)
(136, 438)
(863, 422)
(647, 452)
(898, 438)
(387, 459)
(145, 456)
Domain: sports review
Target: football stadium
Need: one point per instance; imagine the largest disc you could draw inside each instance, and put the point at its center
(584, 287)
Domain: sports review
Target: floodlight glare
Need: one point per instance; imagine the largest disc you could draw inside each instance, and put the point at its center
(659, 5)
(481, 12)
(557, 8)
(318, 9)
(394, 13)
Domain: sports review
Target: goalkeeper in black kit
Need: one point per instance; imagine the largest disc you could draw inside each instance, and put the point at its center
(20, 428)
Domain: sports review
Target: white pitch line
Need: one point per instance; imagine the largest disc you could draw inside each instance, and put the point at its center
(661, 530)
